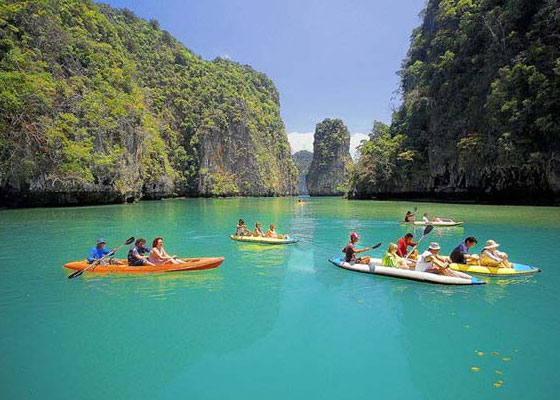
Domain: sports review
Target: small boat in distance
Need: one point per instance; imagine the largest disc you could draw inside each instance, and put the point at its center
(440, 222)
(122, 267)
(264, 239)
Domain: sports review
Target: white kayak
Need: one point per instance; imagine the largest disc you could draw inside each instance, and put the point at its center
(442, 222)
(264, 240)
(375, 267)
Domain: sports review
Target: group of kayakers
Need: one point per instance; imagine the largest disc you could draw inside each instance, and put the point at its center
(242, 230)
(411, 217)
(138, 254)
(398, 256)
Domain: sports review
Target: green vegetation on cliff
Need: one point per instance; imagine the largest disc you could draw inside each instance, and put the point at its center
(480, 117)
(303, 160)
(331, 163)
(98, 105)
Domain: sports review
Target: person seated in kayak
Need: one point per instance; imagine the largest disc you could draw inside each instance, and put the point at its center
(242, 230)
(271, 233)
(98, 252)
(460, 254)
(258, 230)
(431, 261)
(403, 243)
(158, 255)
(491, 257)
(409, 217)
(136, 257)
(391, 259)
(350, 251)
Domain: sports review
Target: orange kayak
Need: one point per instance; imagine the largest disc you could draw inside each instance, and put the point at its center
(189, 264)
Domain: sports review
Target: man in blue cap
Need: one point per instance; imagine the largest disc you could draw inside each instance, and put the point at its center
(98, 252)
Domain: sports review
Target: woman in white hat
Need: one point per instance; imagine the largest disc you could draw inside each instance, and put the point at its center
(491, 257)
(431, 261)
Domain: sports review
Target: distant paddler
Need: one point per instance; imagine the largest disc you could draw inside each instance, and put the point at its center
(410, 216)
(271, 233)
(242, 229)
(491, 257)
(258, 232)
(350, 251)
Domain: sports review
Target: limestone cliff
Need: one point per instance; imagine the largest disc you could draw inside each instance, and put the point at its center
(331, 159)
(100, 106)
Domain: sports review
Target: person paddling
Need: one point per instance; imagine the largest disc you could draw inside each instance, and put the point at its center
(158, 255)
(409, 217)
(136, 257)
(403, 244)
(460, 254)
(350, 251)
(98, 252)
(431, 261)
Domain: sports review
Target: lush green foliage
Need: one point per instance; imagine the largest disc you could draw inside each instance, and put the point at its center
(90, 95)
(481, 101)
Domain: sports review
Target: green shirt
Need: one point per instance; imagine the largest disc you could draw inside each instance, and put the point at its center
(391, 260)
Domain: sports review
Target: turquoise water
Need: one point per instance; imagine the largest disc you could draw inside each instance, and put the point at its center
(273, 322)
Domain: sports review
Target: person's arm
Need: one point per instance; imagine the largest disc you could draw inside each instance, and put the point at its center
(362, 250)
(91, 255)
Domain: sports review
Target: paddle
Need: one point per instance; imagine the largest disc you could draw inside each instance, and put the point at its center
(97, 262)
(375, 246)
(427, 230)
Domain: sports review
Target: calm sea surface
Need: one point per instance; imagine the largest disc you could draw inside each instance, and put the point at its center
(273, 322)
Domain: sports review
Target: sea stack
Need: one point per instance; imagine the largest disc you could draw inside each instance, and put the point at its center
(331, 159)
(303, 160)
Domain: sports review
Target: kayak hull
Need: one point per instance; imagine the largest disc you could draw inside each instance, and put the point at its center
(375, 267)
(518, 269)
(190, 264)
(433, 223)
(263, 240)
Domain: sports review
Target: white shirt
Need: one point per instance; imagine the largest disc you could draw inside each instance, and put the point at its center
(425, 219)
(422, 265)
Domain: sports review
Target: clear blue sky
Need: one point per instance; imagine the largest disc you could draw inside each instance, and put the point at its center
(327, 58)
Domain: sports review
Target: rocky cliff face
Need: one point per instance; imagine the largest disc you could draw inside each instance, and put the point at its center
(303, 160)
(99, 106)
(328, 172)
(480, 118)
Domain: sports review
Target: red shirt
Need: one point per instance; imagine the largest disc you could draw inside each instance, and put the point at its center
(402, 247)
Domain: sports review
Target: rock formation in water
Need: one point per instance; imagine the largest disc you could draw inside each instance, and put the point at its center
(99, 106)
(328, 172)
(303, 160)
(480, 118)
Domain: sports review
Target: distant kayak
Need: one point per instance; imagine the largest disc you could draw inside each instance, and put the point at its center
(190, 264)
(518, 269)
(264, 240)
(375, 267)
(443, 222)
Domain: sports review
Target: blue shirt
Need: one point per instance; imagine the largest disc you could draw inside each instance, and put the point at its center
(134, 251)
(458, 254)
(96, 254)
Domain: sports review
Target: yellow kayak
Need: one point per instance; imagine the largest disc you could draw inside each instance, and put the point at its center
(518, 269)
(263, 240)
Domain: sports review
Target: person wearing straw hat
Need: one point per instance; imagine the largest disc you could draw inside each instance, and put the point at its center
(431, 261)
(491, 257)
(392, 259)
(350, 251)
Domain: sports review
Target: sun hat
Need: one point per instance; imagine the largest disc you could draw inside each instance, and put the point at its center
(490, 244)
(434, 246)
(101, 240)
(354, 235)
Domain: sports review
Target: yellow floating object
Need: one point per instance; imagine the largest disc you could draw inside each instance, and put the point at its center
(480, 353)
(498, 384)
(475, 369)
(518, 269)
(498, 372)
(506, 358)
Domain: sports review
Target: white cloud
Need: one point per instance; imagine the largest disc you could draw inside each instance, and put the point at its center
(304, 141)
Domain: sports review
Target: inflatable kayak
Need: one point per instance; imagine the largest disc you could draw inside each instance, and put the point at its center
(190, 264)
(375, 267)
(264, 240)
(443, 222)
(518, 269)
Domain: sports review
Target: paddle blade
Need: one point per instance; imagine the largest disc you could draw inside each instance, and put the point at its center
(428, 229)
(375, 246)
(130, 240)
(76, 274)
